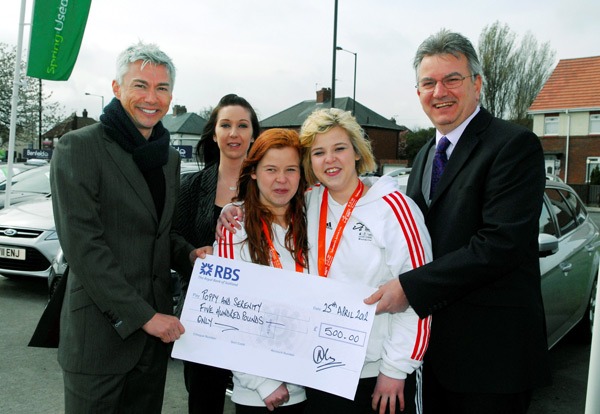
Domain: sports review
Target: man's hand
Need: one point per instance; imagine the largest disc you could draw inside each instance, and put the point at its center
(229, 219)
(391, 298)
(386, 392)
(166, 327)
(201, 253)
(277, 398)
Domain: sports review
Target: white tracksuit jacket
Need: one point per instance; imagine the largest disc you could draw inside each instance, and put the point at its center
(385, 236)
(251, 389)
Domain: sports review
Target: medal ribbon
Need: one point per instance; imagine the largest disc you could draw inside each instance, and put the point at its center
(274, 256)
(325, 261)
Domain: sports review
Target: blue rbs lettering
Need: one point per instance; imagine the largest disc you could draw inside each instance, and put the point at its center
(227, 273)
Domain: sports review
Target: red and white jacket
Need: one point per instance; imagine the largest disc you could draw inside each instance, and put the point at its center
(385, 236)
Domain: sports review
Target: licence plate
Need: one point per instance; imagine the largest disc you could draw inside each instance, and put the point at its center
(12, 253)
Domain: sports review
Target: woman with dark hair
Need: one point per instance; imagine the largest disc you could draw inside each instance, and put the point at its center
(208, 149)
(273, 233)
(227, 136)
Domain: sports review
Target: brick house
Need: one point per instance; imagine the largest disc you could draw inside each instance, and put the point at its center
(566, 117)
(69, 124)
(385, 135)
(185, 129)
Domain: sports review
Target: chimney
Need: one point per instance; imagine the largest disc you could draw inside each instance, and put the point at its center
(324, 95)
(85, 113)
(179, 110)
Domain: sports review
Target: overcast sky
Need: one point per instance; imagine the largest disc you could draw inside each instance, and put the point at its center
(277, 53)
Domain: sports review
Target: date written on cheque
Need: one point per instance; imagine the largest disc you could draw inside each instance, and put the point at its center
(339, 333)
(12, 253)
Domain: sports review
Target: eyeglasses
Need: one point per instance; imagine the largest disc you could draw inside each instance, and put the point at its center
(451, 82)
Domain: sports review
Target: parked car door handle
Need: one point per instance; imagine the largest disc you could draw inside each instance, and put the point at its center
(566, 267)
(590, 248)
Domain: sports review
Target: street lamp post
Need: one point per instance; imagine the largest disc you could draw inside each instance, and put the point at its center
(354, 93)
(335, 13)
(99, 96)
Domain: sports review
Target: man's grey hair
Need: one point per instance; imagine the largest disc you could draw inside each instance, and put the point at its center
(147, 53)
(447, 42)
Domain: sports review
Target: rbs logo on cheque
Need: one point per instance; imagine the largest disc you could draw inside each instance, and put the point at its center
(221, 272)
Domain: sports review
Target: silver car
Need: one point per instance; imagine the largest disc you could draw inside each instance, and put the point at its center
(28, 240)
(28, 185)
(18, 168)
(569, 258)
(401, 175)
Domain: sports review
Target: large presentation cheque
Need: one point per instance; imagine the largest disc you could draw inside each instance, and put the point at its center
(293, 327)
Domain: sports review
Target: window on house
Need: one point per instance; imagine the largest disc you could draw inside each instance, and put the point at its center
(551, 125)
(595, 124)
(593, 170)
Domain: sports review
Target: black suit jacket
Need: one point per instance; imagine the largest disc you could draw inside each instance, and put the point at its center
(483, 286)
(119, 251)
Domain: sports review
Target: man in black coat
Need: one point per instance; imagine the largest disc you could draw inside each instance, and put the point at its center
(488, 346)
(114, 189)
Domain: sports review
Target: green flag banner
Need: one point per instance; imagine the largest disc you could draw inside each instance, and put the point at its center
(56, 34)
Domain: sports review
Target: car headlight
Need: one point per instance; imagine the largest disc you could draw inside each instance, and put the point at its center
(52, 236)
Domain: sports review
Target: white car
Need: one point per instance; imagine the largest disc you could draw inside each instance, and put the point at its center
(27, 185)
(28, 240)
(18, 168)
(401, 175)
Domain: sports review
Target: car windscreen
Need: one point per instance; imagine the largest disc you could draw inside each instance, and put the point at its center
(33, 181)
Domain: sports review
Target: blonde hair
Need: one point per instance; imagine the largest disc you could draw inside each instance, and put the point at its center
(322, 121)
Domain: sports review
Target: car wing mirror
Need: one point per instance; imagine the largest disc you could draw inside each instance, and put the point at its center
(548, 244)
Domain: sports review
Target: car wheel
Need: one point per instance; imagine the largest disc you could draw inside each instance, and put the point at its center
(584, 327)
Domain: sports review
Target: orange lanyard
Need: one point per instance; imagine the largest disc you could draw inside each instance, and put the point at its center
(325, 262)
(274, 255)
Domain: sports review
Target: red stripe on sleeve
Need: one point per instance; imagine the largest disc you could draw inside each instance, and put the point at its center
(409, 228)
(422, 341)
(225, 245)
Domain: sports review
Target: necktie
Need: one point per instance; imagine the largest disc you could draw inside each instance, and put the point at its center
(439, 163)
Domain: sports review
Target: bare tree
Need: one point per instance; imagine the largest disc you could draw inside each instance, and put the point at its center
(533, 65)
(205, 112)
(495, 46)
(28, 108)
(512, 74)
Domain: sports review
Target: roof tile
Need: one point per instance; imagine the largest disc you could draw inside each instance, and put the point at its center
(294, 116)
(574, 83)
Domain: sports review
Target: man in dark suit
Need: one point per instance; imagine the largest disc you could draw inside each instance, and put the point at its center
(114, 188)
(488, 345)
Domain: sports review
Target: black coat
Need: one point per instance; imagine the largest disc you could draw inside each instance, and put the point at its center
(483, 286)
(120, 252)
